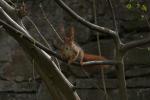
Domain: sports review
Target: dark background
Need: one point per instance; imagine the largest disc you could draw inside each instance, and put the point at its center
(17, 72)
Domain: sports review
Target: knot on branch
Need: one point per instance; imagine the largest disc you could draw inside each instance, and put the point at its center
(22, 10)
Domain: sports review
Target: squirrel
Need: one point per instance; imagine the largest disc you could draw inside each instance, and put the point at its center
(71, 52)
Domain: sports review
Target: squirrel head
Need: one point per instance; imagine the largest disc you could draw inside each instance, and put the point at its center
(69, 36)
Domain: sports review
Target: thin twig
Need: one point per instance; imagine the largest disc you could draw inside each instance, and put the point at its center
(9, 9)
(38, 31)
(97, 86)
(47, 71)
(119, 57)
(83, 21)
(47, 68)
(99, 51)
(57, 34)
(50, 52)
(13, 3)
(44, 39)
(137, 43)
(25, 35)
(114, 16)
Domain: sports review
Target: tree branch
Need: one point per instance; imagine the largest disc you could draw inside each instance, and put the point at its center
(20, 32)
(107, 62)
(6, 6)
(52, 53)
(9, 9)
(136, 43)
(47, 68)
(83, 21)
(17, 31)
(119, 57)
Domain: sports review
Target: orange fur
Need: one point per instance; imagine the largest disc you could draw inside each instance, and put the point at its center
(94, 68)
(71, 52)
(91, 57)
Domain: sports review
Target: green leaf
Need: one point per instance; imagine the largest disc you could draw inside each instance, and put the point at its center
(144, 8)
(138, 5)
(129, 6)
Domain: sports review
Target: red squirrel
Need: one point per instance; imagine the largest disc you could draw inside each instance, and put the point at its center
(71, 52)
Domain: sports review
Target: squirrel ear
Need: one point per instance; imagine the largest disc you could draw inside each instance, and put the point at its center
(70, 33)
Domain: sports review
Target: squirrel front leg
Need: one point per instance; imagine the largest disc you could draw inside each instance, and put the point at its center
(74, 57)
(81, 57)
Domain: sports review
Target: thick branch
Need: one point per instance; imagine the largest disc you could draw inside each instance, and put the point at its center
(107, 62)
(83, 21)
(50, 52)
(136, 43)
(120, 66)
(47, 68)
(5, 17)
(8, 9)
(21, 32)
(18, 35)
(6, 6)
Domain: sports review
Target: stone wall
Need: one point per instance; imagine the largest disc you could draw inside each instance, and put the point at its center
(19, 80)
